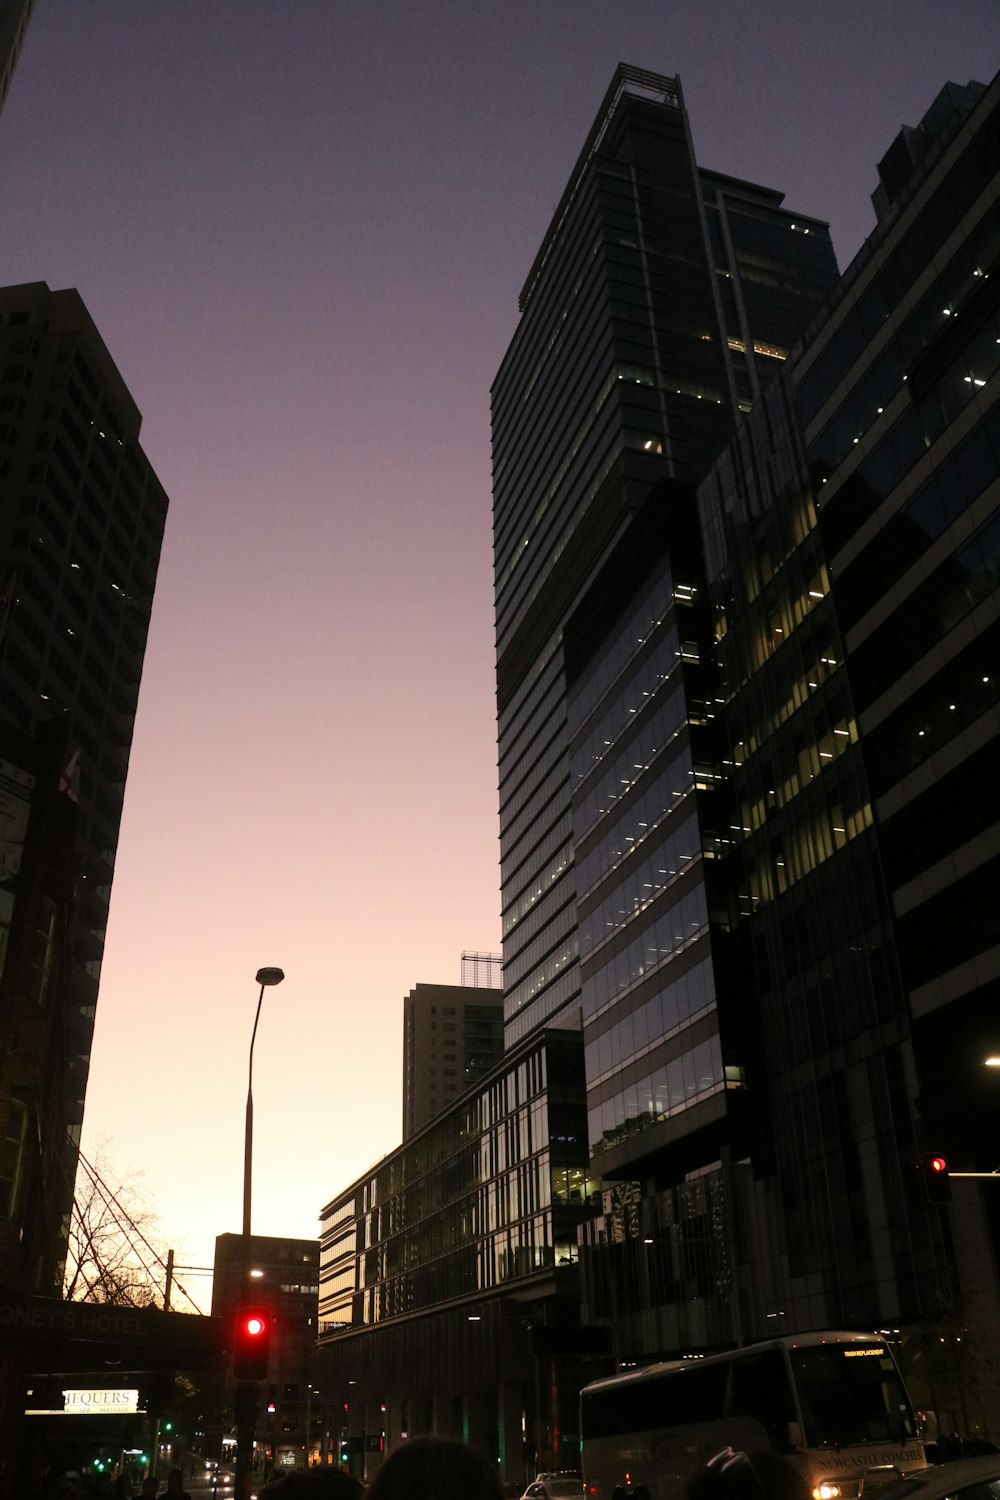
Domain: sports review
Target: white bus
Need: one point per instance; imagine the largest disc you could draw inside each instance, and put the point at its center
(833, 1404)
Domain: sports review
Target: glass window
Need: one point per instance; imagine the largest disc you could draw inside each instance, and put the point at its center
(851, 1394)
(12, 1156)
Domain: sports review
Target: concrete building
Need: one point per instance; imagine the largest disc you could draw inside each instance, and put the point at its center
(80, 533)
(452, 1037)
(282, 1276)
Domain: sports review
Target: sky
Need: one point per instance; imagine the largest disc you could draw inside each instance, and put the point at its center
(301, 227)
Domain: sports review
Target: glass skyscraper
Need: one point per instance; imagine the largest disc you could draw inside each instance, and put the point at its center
(852, 540)
(663, 298)
(659, 293)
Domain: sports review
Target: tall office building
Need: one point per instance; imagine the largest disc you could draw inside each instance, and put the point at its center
(853, 542)
(452, 1037)
(661, 297)
(80, 530)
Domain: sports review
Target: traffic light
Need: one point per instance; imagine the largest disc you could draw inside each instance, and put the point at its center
(934, 1175)
(251, 1344)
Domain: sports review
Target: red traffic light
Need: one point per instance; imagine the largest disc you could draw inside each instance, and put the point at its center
(252, 1343)
(936, 1179)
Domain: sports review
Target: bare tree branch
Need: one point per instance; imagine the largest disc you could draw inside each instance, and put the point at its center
(110, 1225)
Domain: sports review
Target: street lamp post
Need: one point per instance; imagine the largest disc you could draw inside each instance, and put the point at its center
(265, 977)
(246, 1393)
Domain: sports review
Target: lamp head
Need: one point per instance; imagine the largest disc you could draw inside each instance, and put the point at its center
(270, 976)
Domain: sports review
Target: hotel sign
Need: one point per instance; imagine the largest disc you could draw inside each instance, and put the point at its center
(94, 1401)
(101, 1401)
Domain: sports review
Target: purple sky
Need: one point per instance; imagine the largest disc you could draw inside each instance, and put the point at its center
(302, 226)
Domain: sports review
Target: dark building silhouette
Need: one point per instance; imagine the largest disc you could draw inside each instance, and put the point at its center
(81, 522)
(14, 18)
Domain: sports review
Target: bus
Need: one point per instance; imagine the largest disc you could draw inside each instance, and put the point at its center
(834, 1404)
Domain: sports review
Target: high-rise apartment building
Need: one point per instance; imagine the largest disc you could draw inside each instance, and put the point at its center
(81, 523)
(452, 1037)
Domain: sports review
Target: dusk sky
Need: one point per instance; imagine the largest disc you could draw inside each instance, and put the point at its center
(301, 227)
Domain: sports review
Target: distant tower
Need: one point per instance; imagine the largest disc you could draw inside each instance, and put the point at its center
(14, 15)
(452, 1037)
(80, 531)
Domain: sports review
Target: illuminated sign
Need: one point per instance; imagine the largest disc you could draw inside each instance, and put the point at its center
(101, 1401)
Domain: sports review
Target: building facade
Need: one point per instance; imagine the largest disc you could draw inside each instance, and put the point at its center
(660, 296)
(852, 545)
(452, 1037)
(448, 1274)
(282, 1276)
(80, 533)
(663, 298)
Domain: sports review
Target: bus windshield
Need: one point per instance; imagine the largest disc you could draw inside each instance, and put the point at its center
(851, 1394)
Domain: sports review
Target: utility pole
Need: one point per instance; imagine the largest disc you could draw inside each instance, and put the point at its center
(245, 1402)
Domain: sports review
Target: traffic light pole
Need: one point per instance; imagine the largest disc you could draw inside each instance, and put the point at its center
(247, 1397)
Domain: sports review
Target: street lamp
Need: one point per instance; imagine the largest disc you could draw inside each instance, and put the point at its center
(265, 978)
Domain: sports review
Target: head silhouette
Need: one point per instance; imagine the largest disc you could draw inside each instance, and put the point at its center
(434, 1468)
(316, 1484)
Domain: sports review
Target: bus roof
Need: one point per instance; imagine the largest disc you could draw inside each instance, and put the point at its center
(696, 1361)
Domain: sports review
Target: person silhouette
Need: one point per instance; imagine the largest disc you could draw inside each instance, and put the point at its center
(435, 1468)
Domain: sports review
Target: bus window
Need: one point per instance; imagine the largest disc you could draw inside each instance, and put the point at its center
(760, 1387)
(695, 1393)
(851, 1395)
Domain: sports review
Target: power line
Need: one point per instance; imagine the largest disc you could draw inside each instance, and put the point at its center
(123, 1218)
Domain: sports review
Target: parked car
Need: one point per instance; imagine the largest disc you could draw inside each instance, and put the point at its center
(562, 1484)
(947, 1448)
(960, 1479)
